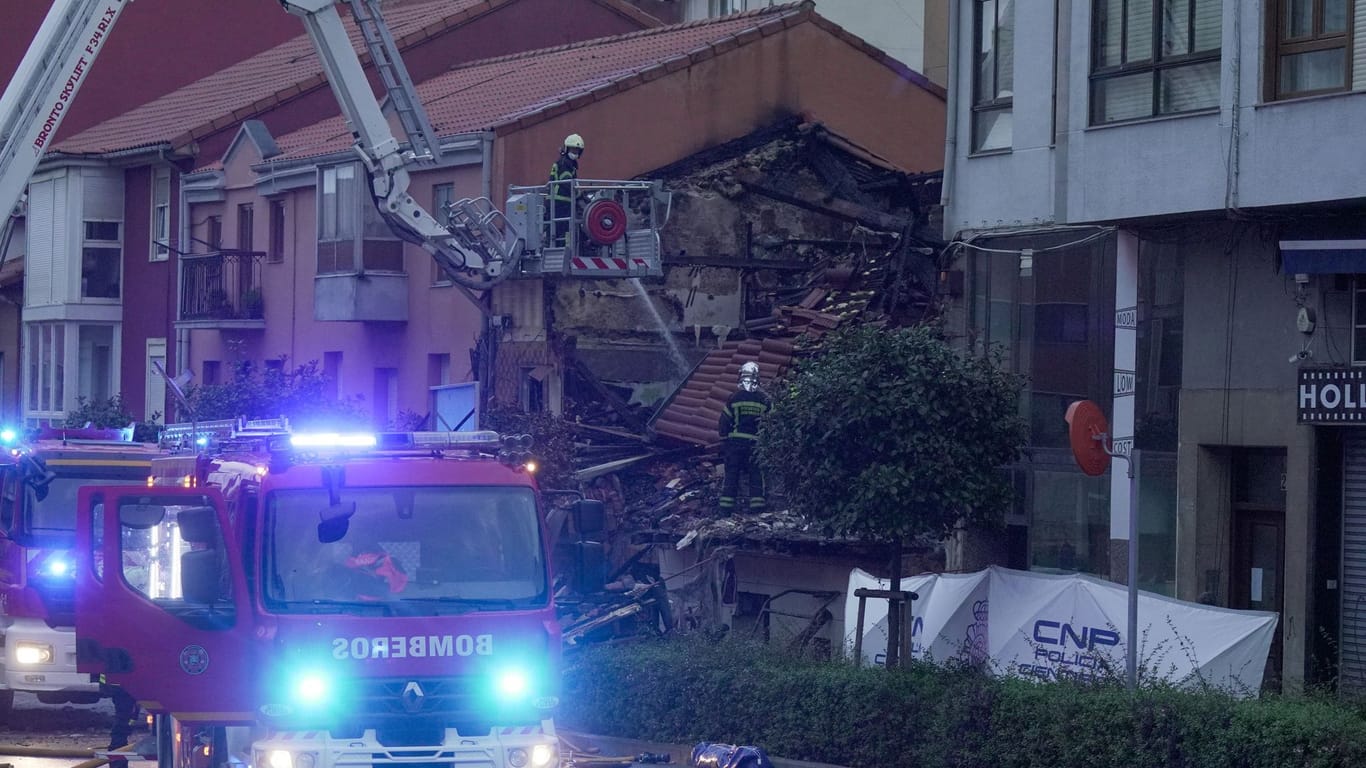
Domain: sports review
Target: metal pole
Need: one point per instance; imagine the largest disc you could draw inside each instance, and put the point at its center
(1132, 633)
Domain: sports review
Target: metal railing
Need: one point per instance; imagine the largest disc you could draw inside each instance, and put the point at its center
(221, 285)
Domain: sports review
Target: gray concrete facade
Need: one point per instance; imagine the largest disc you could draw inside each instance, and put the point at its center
(1216, 190)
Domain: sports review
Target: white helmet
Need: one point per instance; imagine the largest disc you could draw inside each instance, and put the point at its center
(573, 141)
(749, 376)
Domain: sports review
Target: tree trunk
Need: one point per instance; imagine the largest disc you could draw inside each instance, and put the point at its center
(894, 608)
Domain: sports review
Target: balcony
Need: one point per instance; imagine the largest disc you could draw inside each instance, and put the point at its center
(221, 289)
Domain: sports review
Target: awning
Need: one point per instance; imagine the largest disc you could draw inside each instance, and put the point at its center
(1320, 257)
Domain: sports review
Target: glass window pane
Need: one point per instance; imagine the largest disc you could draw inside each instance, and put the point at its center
(1314, 71)
(96, 358)
(1175, 27)
(1334, 16)
(1139, 32)
(1189, 88)
(100, 273)
(1110, 17)
(59, 367)
(1070, 529)
(1209, 23)
(102, 230)
(1359, 345)
(1122, 98)
(1005, 50)
(45, 399)
(986, 51)
(1299, 18)
(991, 130)
(35, 356)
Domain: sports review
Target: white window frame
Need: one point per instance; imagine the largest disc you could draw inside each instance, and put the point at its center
(161, 215)
(1000, 101)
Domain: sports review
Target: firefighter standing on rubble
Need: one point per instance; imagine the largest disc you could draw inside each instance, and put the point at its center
(739, 429)
(563, 172)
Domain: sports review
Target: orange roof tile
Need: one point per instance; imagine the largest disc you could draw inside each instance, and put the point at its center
(524, 86)
(249, 87)
(691, 413)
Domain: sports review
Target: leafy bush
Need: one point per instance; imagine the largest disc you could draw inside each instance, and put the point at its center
(110, 412)
(687, 690)
(301, 394)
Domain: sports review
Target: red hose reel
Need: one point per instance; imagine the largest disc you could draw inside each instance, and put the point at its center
(604, 221)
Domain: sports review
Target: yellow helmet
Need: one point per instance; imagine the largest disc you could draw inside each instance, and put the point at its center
(573, 141)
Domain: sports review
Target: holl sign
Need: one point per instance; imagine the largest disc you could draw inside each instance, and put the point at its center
(1332, 396)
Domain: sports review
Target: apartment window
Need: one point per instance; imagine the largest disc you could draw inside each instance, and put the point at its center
(161, 215)
(211, 373)
(213, 232)
(993, 76)
(46, 352)
(442, 196)
(1359, 320)
(1313, 46)
(1154, 57)
(352, 236)
(332, 372)
(277, 231)
(101, 259)
(246, 223)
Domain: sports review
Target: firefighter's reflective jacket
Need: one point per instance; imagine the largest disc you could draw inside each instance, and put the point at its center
(562, 171)
(742, 414)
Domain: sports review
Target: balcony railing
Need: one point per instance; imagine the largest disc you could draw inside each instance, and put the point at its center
(221, 285)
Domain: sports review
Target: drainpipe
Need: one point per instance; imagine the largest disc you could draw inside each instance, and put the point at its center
(182, 335)
(951, 123)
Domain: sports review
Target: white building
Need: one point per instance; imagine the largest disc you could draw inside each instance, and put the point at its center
(1211, 150)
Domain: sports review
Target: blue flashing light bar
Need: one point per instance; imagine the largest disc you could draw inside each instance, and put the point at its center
(332, 440)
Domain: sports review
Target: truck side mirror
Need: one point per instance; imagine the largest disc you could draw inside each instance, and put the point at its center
(588, 517)
(589, 565)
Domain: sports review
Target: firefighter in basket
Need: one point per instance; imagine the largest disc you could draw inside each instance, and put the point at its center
(562, 175)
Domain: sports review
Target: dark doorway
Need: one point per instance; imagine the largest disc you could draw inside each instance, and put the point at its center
(1258, 556)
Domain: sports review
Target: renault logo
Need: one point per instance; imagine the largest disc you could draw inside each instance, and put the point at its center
(413, 697)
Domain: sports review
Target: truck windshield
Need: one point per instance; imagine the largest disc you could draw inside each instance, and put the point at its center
(418, 550)
(55, 513)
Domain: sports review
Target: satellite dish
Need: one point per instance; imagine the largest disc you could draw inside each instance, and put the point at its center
(177, 384)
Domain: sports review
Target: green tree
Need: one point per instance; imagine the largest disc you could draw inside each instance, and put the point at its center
(300, 394)
(891, 435)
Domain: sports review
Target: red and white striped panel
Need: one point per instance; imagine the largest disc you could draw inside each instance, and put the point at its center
(594, 264)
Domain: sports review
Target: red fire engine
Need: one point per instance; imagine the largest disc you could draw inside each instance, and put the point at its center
(289, 600)
(39, 477)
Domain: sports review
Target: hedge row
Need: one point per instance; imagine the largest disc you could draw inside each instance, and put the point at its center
(689, 690)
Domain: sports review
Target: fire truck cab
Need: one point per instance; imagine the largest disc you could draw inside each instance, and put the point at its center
(290, 600)
(40, 475)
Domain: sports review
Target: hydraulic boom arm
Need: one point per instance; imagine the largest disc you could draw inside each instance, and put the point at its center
(480, 247)
(477, 248)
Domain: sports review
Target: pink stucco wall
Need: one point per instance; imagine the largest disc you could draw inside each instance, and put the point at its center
(440, 319)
